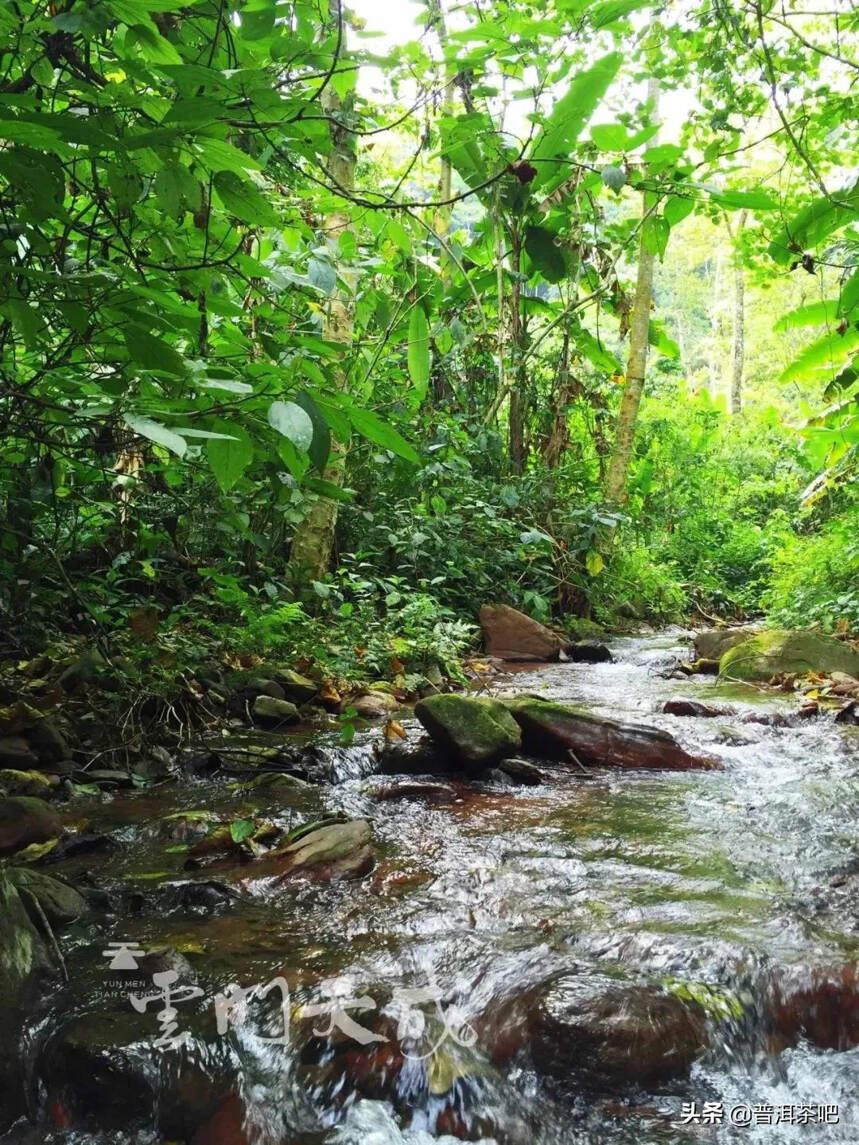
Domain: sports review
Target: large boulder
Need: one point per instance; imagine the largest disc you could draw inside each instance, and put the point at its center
(511, 635)
(777, 651)
(25, 820)
(476, 731)
(614, 1033)
(24, 960)
(713, 643)
(563, 732)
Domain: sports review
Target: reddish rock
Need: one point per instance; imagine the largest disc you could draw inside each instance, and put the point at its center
(227, 1127)
(821, 1006)
(573, 734)
(511, 635)
(609, 1032)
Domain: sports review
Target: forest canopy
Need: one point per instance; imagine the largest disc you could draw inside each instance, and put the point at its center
(314, 342)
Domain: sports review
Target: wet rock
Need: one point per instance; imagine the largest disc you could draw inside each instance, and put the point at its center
(48, 742)
(25, 820)
(511, 635)
(412, 756)
(821, 1006)
(227, 1126)
(201, 899)
(26, 782)
(692, 708)
(327, 853)
(297, 688)
(840, 684)
(15, 752)
(521, 771)
(272, 712)
(701, 667)
(562, 732)
(412, 789)
(24, 961)
(372, 705)
(779, 651)
(713, 643)
(849, 714)
(478, 732)
(107, 777)
(60, 902)
(589, 652)
(611, 1033)
(259, 686)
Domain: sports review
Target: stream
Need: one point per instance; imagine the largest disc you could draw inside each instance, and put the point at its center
(714, 885)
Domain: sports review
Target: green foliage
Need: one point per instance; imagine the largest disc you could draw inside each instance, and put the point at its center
(815, 576)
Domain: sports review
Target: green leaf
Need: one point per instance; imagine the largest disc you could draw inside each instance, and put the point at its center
(594, 562)
(160, 434)
(849, 295)
(150, 353)
(374, 429)
(608, 11)
(241, 829)
(737, 200)
(289, 419)
(828, 354)
(814, 223)
(660, 341)
(567, 118)
(815, 314)
(320, 446)
(545, 255)
(328, 489)
(676, 209)
(419, 351)
(655, 235)
(229, 458)
(244, 200)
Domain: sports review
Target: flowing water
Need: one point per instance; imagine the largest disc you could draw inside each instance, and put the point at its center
(712, 884)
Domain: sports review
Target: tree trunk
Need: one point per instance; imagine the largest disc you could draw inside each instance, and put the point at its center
(312, 545)
(738, 342)
(639, 330)
(518, 339)
(716, 325)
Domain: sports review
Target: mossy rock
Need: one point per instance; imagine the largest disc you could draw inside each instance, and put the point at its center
(477, 731)
(778, 651)
(14, 782)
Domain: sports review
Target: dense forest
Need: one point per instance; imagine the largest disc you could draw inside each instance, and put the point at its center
(331, 336)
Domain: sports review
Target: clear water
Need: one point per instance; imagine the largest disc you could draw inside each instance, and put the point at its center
(713, 880)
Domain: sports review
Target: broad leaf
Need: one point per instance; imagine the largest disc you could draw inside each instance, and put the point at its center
(230, 457)
(160, 434)
(569, 115)
(289, 419)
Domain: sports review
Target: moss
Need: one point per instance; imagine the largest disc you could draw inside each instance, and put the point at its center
(478, 731)
(777, 651)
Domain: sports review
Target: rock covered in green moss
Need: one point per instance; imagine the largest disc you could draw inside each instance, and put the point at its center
(271, 712)
(713, 643)
(477, 731)
(563, 732)
(777, 651)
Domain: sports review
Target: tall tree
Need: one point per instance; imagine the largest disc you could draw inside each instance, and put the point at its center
(738, 339)
(639, 335)
(313, 542)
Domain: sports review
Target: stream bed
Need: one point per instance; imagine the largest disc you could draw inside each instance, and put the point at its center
(728, 888)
